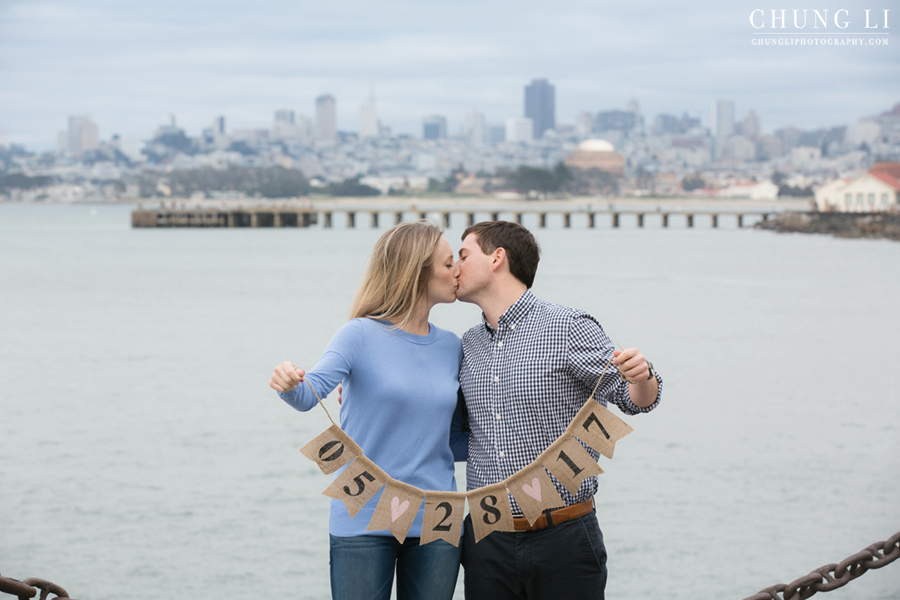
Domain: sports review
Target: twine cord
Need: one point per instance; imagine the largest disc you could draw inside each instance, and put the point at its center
(320, 400)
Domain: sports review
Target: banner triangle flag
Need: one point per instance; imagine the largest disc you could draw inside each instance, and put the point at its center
(599, 428)
(397, 509)
(331, 450)
(490, 510)
(444, 514)
(569, 462)
(357, 484)
(534, 492)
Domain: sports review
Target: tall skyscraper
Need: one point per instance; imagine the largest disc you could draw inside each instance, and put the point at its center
(434, 127)
(475, 129)
(81, 135)
(219, 125)
(326, 117)
(722, 124)
(722, 118)
(540, 106)
(368, 117)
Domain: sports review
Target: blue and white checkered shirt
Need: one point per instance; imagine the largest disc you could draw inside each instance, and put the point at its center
(525, 382)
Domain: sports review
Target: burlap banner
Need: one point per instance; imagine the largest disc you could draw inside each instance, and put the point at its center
(444, 514)
(597, 427)
(331, 450)
(534, 492)
(569, 462)
(357, 484)
(490, 510)
(396, 509)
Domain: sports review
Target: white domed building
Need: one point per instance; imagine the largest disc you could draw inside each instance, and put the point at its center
(596, 154)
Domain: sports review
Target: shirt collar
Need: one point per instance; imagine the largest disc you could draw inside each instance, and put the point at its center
(514, 313)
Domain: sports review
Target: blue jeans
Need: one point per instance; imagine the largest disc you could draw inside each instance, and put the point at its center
(362, 568)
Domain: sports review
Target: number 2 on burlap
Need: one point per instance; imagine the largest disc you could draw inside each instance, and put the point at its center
(448, 510)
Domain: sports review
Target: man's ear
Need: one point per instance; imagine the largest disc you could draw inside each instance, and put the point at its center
(498, 258)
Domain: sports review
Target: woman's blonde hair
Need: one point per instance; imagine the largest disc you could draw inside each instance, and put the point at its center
(397, 273)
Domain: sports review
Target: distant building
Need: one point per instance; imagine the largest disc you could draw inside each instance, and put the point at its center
(614, 120)
(596, 154)
(875, 190)
(368, 117)
(805, 156)
(80, 137)
(219, 125)
(519, 130)
(540, 106)
(476, 132)
(285, 115)
(749, 127)
(496, 134)
(434, 127)
(722, 125)
(584, 124)
(326, 117)
(722, 119)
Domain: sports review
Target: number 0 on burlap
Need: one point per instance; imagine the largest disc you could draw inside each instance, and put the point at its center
(444, 514)
(357, 484)
(331, 450)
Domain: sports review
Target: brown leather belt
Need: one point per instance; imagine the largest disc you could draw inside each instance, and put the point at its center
(555, 516)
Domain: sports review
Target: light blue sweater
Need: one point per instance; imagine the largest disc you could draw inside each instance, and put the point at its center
(400, 402)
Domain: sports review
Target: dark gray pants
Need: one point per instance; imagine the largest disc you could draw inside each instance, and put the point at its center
(563, 561)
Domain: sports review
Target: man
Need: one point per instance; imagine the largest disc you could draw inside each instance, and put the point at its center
(527, 369)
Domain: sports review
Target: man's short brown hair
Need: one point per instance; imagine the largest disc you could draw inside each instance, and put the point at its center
(522, 250)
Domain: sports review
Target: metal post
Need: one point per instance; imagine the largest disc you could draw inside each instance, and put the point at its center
(351, 219)
(615, 219)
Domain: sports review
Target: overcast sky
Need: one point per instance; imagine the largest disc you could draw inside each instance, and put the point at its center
(129, 65)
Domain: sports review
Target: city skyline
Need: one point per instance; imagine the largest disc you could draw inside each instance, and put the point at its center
(129, 67)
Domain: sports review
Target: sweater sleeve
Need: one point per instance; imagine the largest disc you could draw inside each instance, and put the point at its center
(335, 364)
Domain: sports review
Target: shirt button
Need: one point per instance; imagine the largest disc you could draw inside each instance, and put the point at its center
(496, 380)
(502, 455)
(498, 416)
(512, 325)
(500, 344)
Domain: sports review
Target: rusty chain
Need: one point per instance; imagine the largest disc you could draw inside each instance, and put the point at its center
(831, 577)
(30, 587)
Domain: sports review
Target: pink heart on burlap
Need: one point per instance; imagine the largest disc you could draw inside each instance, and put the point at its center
(533, 490)
(398, 508)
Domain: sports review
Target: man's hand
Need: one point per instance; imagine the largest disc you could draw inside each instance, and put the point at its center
(286, 377)
(632, 365)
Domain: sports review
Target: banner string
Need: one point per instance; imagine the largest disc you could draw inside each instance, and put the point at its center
(601, 375)
(320, 400)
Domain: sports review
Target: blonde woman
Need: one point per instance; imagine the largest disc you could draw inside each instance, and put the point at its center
(400, 385)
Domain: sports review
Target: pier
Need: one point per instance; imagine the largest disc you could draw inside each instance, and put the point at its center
(375, 215)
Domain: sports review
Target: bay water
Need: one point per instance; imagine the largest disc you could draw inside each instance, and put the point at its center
(143, 455)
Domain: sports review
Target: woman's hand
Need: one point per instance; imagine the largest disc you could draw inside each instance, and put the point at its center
(286, 377)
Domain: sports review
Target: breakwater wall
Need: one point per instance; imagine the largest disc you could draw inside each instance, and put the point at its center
(849, 225)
